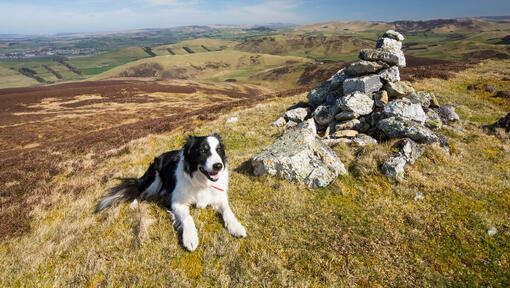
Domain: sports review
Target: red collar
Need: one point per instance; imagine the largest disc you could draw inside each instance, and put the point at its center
(217, 188)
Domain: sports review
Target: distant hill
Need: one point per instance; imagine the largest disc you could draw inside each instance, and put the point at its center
(463, 25)
(305, 45)
(355, 26)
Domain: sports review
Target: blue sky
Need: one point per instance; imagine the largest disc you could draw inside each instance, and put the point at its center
(55, 16)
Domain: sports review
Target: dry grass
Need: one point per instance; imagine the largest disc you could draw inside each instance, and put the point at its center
(363, 230)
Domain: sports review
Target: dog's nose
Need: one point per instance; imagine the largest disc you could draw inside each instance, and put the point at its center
(217, 166)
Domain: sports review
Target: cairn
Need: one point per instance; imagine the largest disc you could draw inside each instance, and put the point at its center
(366, 101)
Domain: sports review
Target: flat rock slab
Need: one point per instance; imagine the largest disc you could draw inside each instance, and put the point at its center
(297, 114)
(395, 127)
(406, 109)
(298, 155)
(364, 84)
(390, 57)
(357, 102)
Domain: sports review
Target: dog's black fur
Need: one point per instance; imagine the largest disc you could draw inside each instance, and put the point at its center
(195, 152)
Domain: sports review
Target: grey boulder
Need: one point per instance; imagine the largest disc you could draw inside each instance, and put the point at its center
(324, 114)
(363, 67)
(447, 113)
(357, 102)
(390, 57)
(391, 74)
(433, 121)
(346, 115)
(398, 89)
(297, 114)
(363, 140)
(389, 44)
(410, 150)
(396, 127)
(298, 155)
(392, 34)
(364, 84)
(404, 108)
(394, 167)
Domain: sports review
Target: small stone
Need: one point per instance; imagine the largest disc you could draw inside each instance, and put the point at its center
(280, 122)
(358, 103)
(447, 113)
(398, 89)
(363, 67)
(433, 101)
(231, 120)
(404, 108)
(336, 141)
(421, 97)
(492, 231)
(433, 121)
(389, 44)
(395, 127)
(363, 140)
(297, 114)
(318, 95)
(364, 84)
(345, 133)
(337, 79)
(394, 167)
(392, 34)
(390, 57)
(348, 124)
(410, 150)
(391, 74)
(419, 196)
(346, 115)
(324, 114)
(381, 99)
(309, 125)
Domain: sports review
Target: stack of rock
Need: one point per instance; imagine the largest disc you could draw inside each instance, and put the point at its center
(367, 100)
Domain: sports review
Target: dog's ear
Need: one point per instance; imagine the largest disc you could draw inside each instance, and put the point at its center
(190, 140)
(218, 137)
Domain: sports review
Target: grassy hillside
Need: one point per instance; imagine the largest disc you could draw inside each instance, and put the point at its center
(103, 62)
(195, 46)
(312, 46)
(12, 78)
(363, 230)
(214, 66)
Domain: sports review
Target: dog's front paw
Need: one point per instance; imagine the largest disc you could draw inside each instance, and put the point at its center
(236, 229)
(190, 239)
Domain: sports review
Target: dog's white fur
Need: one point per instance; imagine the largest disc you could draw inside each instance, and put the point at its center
(199, 191)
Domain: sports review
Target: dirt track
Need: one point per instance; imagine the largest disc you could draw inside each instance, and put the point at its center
(43, 127)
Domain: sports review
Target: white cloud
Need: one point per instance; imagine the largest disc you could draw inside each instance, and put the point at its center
(48, 19)
(269, 11)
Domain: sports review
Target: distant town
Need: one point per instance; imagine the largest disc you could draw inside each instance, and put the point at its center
(51, 52)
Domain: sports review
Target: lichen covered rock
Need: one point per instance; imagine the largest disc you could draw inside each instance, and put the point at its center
(298, 155)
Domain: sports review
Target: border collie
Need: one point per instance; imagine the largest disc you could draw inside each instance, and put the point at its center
(196, 175)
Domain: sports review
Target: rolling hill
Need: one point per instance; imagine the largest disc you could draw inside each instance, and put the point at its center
(218, 65)
(317, 47)
(193, 46)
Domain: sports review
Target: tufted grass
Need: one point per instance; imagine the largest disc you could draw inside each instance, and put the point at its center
(362, 230)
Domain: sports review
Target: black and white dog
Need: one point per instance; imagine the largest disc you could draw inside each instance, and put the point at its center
(196, 175)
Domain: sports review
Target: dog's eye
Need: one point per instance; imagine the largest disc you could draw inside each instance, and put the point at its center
(218, 149)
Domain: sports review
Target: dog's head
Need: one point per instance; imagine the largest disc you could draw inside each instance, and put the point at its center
(205, 155)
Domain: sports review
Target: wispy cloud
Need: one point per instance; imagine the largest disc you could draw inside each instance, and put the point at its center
(269, 11)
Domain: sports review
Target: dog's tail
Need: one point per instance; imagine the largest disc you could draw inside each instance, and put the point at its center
(127, 190)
